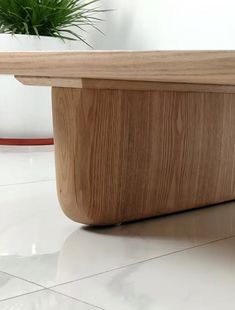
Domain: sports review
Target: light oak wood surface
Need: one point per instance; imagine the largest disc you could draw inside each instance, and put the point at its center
(211, 67)
(123, 155)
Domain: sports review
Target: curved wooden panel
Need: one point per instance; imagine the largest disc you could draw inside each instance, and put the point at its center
(123, 155)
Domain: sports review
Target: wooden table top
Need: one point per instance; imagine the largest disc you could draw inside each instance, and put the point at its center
(204, 67)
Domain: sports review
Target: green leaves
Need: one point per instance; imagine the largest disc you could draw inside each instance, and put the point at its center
(49, 17)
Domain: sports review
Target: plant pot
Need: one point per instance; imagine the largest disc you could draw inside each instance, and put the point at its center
(26, 112)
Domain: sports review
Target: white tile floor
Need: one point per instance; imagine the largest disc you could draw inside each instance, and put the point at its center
(184, 261)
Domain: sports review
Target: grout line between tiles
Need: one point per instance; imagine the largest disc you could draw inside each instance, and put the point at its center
(82, 301)
(22, 279)
(141, 262)
(41, 288)
(54, 292)
(16, 296)
(30, 182)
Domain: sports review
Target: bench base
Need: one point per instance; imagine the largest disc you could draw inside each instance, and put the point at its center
(123, 155)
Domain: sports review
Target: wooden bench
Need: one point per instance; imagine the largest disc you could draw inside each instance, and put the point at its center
(137, 134)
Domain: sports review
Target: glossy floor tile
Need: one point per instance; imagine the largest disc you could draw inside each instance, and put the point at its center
(202, 278)
(44, 300)
(11, 286)
(40, 244)
(33, 230)
(26, 164)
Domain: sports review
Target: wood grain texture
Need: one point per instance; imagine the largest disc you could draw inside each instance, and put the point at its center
(123, 155)
(127, 85)
(210, 67)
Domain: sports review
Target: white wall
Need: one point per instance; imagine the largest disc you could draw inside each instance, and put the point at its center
(167, 24)
(24, 111)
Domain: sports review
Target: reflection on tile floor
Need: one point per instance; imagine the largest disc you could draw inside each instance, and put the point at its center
(200, 278)
(40, 245)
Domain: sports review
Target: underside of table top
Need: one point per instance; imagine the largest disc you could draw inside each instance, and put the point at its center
(198, 67)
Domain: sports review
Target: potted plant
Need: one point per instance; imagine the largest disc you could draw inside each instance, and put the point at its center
(34, 25)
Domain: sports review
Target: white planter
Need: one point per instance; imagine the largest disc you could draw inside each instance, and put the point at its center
(25, 112)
